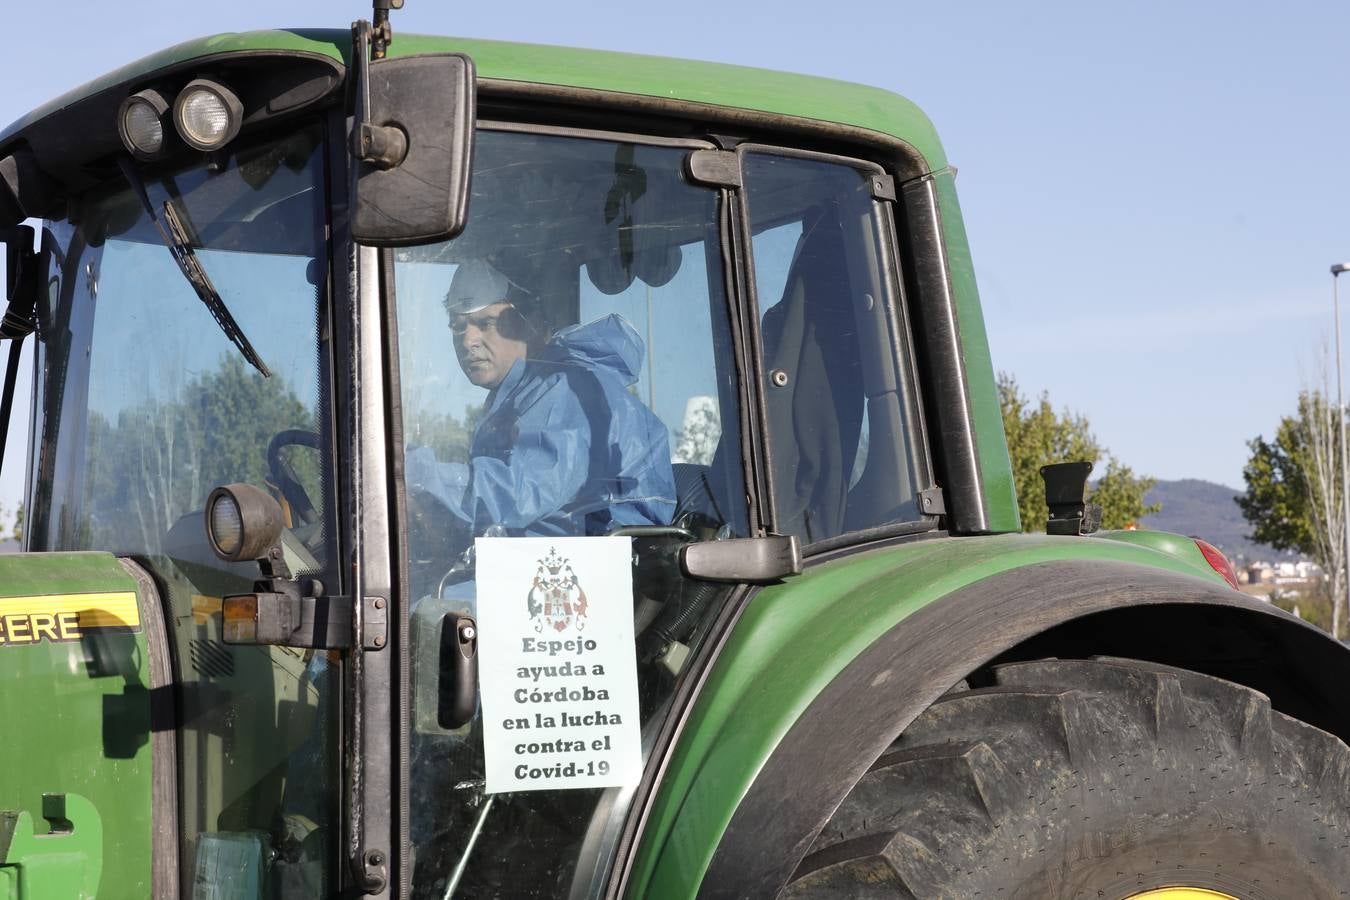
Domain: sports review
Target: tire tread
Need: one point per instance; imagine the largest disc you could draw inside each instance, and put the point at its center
(1026, 773)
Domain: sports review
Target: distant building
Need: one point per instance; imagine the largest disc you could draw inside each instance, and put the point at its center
(1309, 570)
(1292, 576)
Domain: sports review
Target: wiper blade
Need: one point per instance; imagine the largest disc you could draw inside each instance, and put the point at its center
(178, 242)
(175, 237)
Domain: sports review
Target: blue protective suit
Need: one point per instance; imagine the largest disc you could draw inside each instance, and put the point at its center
(563, 448)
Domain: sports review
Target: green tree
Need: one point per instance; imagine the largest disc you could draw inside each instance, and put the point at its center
(1293, 497)
(11, 530)
(1281, 478)
(449, 437)
(159, 460)
(1038, 436)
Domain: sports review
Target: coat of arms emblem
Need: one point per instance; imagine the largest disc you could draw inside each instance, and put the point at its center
(556, 599)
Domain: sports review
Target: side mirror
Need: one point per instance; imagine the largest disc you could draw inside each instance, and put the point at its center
(758, 560)
(413, 143)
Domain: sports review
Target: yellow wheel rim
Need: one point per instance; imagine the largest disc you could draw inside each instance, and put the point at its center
(1181, 893)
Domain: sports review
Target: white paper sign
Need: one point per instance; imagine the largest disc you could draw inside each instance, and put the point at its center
(557, 665)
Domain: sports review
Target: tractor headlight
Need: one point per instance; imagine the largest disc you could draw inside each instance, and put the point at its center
(242, 522)
(224, 526)
(207, 114)
(140, 123)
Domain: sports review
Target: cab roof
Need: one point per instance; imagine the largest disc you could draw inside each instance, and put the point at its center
(716, 84)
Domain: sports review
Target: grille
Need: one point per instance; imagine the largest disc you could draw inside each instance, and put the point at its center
(211, 659)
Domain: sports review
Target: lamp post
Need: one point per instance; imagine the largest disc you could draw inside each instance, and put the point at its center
(1336, 271)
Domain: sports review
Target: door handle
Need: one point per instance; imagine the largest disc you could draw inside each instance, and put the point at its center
(457, 694)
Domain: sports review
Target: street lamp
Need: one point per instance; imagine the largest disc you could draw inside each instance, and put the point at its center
(1336, 271)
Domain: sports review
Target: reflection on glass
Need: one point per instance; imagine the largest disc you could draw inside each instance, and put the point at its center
(145, 407)
(566, 370)
(838, 415)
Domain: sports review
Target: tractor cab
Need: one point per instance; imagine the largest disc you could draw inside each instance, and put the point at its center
(436, 424)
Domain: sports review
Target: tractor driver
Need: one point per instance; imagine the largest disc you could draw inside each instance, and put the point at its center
(563, 447)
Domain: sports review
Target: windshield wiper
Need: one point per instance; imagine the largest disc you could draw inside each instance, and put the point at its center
(175, 237)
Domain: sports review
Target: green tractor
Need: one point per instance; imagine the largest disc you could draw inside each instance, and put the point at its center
(467, 469)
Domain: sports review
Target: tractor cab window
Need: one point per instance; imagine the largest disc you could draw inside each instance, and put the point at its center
(145, 404)
(840, 415)
(566, 370)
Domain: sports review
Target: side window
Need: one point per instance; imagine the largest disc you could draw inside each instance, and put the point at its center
(839, 419)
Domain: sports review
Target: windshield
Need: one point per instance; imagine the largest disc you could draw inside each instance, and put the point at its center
(145, 404)
(148, 404)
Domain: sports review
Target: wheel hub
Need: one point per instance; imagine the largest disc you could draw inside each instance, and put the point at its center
(1181, 893)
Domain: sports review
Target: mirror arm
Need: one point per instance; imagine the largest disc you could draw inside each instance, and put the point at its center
(380, 146)
(383, 32)
(361, 36)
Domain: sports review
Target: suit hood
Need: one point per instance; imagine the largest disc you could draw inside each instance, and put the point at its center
(607, 343)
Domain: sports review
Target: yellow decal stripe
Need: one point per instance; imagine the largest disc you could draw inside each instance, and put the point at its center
(107, 610)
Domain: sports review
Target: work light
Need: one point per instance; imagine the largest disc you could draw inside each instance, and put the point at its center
(242, 522)
(207, 114)
(224, 525)
(140, 123)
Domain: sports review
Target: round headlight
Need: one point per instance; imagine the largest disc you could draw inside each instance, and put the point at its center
(140, 123)
(224, 525)
(242, 522)
(207, 114)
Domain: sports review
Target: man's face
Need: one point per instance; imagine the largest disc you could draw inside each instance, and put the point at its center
(485, 355)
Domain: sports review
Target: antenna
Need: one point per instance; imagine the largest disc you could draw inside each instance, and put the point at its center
(382, 35)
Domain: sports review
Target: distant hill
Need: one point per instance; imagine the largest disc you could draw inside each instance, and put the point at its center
(1205, 510)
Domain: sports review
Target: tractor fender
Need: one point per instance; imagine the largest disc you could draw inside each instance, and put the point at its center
(1066, 607)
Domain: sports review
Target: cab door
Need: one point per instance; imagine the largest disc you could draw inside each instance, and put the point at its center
(627, 400)
(143, 406)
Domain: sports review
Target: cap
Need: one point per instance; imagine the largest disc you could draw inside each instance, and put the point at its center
(475, 284)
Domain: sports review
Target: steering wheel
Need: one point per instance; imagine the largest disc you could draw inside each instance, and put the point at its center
(284, 477)
(436, 541)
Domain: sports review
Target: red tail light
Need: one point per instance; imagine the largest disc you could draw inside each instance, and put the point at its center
(1214, 556)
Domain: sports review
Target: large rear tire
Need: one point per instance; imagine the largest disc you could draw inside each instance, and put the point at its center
(1100, 778)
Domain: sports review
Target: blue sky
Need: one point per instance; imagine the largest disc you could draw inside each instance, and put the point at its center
(1153, 191)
